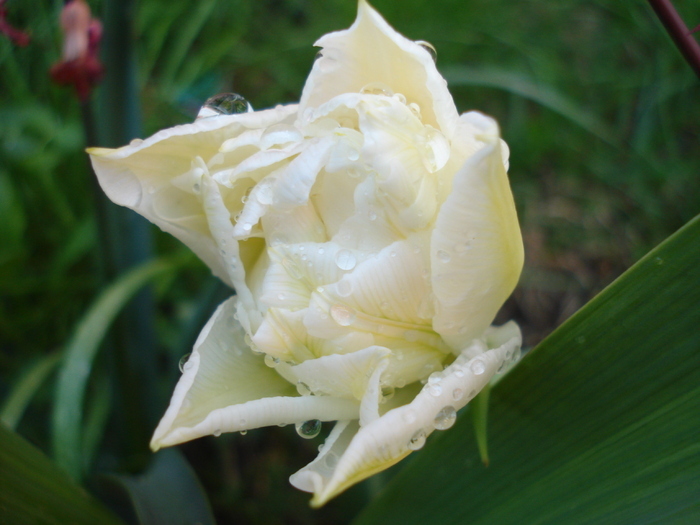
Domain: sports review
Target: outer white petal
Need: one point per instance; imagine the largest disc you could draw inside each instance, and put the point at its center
(372, 51)
(227, 388)
(315, 476)
(135, 175)
(386, 440)
(476, 246)
(221, 372)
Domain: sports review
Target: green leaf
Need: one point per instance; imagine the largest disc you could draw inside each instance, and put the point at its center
(79, 357)
(35, 491)
(26, 387)
(169, 493)
(543, 95)
(599, 424)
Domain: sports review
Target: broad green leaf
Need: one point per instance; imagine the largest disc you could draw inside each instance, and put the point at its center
(168, 493)
(599, 424)
(79, 356)
(34, 491)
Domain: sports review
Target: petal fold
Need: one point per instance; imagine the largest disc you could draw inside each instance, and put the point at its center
(350, 61)
(398, 432)
(476, 246)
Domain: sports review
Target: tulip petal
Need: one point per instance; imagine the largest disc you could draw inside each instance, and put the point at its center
(350, 60)
(225, 387)
(283, 335)
(134, 175)
(315, 476)
(476, 247)
(340, 375)
(390, 438)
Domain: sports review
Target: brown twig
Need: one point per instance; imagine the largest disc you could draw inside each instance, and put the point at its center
(672, 21)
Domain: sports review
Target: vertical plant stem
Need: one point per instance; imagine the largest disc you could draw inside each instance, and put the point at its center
(125, 237)
(679, 32)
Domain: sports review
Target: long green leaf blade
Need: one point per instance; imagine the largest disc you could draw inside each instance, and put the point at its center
(25, 389)
(80, 354)
(543, 95)
(33, 490)
(599, 424)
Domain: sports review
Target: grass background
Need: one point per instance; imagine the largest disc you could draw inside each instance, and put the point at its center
(599, 110)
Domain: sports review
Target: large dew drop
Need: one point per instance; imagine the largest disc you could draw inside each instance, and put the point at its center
(309, 429)
(377, 88)
(445, 418)
(345, 259)
(183, 365)
(478, 367)
(343, 315)
(417, 441)
(224, 104)
(429, 48)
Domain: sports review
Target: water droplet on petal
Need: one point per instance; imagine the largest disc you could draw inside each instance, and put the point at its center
(445, 418)
(183, 363)
(224, 104)
(345, 259)
(457, 394)
(459, 372)
(343, 315)
(415, 109)
(354, 172)
(399, 97)
(417, 441)
(217, 432)
(434, 390)
(477, 367)
(135, 142)
(429, 48)
(309, 429)
(372, 216)
(444, 256)
(377, 88)
(243, 432)
(303, 389)
(435, 377)
(271, 361)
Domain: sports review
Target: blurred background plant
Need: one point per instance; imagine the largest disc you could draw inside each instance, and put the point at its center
(598, 107)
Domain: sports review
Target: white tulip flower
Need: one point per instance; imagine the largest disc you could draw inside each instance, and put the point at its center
(370, 235)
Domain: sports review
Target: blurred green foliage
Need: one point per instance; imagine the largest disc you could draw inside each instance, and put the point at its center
(599, 110)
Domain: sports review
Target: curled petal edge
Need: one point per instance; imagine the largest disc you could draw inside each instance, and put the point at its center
(385, 441)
